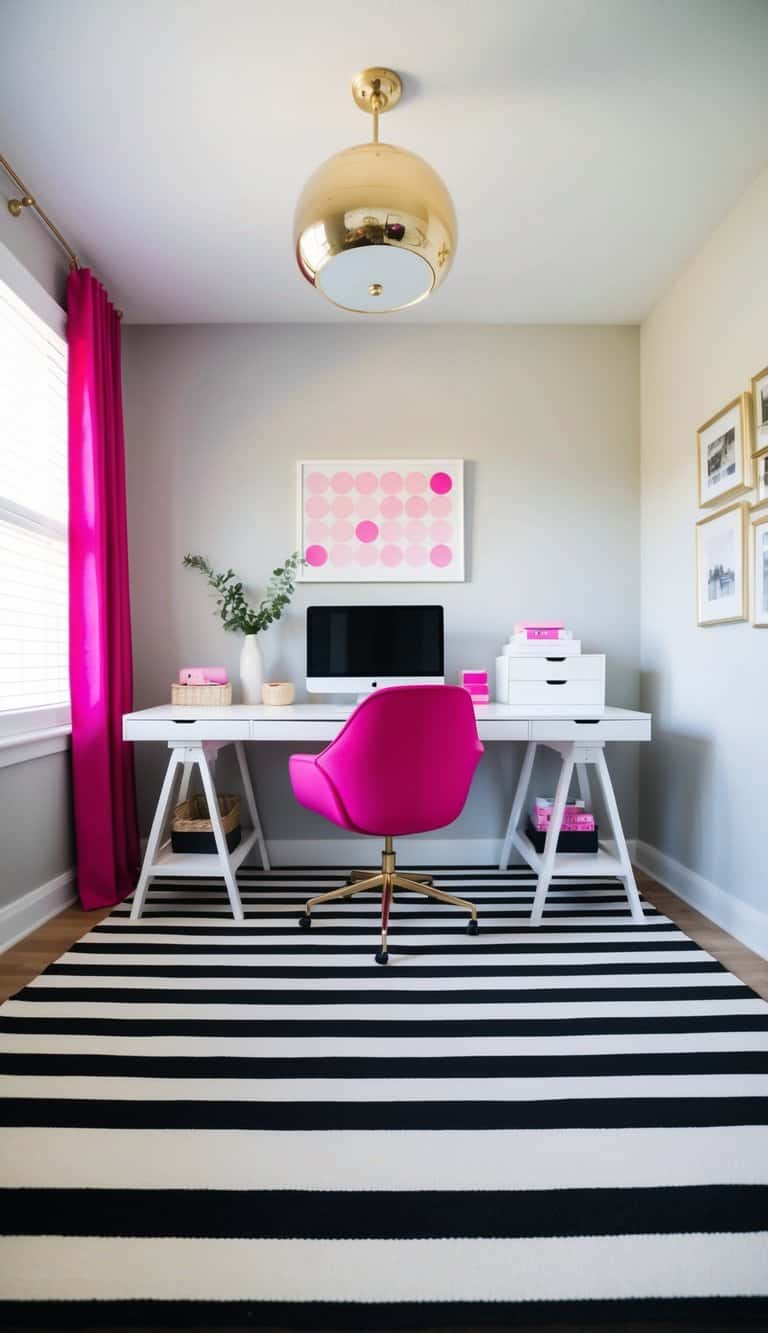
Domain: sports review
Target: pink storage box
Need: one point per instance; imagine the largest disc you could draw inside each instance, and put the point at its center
(475, 682)
(203, 676)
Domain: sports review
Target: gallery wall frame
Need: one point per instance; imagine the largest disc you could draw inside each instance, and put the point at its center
(760, 571)
(721, 566)
(724, 458)
(759, 384)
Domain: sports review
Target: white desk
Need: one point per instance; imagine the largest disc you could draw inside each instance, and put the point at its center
(195, 735)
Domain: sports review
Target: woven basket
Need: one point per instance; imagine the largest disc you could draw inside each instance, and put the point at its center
(200, 696)
(191, 829)
(192, 815)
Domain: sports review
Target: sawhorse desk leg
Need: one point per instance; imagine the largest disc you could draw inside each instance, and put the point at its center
(159, 863)
(578, 757)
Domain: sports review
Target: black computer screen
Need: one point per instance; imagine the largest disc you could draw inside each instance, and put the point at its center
(375, 641)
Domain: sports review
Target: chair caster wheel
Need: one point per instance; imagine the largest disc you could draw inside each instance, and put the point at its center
(382, 957)
(305, 921)
(473, 926)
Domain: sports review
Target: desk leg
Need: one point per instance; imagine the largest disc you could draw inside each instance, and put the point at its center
(250, 801)
(627, 875)
(547, 865)
(521, 792)
(156, 832)
(219, 836)
(585, 790)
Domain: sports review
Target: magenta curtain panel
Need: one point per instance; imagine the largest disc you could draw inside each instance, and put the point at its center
(100, 661)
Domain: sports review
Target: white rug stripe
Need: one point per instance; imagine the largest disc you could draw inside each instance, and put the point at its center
(388, 982)
(399, 1160)
(40, 1043)
(555, 1268)
(315, 1090)
(555, 1010)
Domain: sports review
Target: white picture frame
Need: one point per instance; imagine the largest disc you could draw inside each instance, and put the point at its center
(721, 566)
(380, 520)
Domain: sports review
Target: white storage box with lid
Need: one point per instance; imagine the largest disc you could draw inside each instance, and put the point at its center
(553, 684)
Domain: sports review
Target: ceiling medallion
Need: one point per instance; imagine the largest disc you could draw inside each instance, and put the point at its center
(375, 228)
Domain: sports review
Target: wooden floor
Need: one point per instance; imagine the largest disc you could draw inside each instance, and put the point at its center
(30, 957)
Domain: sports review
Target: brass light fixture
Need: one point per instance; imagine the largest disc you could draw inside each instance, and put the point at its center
(375, 228)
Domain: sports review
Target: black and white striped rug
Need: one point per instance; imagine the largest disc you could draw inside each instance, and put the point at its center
(221, 1125)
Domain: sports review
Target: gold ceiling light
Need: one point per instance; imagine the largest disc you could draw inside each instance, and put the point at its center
(375, 228)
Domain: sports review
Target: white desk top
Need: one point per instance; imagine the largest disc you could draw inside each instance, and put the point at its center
(339, 712)
(321, 722)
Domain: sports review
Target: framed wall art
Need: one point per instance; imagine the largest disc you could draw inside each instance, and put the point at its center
(381, 521)
(760, 571)
(724, 453)
(760, 408)
(761, 480)
(721, 566)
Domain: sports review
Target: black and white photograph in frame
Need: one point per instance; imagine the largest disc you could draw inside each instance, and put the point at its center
(760, 571)
(760, 408)
(761, 480)
(724, 453)
(721, 567)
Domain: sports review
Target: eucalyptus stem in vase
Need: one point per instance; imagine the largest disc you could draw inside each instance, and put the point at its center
(237, 613)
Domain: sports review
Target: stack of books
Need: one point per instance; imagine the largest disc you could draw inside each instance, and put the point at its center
(576, 817)
(540, 638)
(578, 831)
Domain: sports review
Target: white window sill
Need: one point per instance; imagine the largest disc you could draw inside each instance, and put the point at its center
(33, 745)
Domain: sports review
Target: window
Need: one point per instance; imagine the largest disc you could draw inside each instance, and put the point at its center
(34, 678)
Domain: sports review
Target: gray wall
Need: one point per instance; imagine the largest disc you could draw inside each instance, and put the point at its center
(35, 797)
(547, 419)
(704, 793)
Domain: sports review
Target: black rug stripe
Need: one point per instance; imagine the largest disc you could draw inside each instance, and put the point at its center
(404, 1066)
(567, 1113)
(383, 1214)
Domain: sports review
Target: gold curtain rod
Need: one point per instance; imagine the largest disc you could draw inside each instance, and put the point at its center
(27, 200)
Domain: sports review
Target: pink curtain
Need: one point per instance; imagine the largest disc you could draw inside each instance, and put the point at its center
(99, 611)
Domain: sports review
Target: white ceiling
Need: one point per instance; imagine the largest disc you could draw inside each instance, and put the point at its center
(590, 145)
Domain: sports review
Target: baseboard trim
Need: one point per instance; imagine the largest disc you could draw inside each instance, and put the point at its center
(745, 923)
(33, 909)
(360, 851)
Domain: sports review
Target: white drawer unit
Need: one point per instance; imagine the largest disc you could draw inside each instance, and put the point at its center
(552, 685)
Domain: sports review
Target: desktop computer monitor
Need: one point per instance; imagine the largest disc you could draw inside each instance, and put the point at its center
(355, 649)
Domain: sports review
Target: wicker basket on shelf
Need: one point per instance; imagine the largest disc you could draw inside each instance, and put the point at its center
(191, 829)
(200, 696)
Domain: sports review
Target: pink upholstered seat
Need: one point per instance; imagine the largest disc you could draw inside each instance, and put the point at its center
(403, 763)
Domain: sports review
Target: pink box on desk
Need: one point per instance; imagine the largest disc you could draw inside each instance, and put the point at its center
(475, 682)
(203, 676)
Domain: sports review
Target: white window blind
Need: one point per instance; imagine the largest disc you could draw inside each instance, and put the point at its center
(33, 510)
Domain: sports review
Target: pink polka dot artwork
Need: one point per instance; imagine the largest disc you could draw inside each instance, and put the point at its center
(392, 520)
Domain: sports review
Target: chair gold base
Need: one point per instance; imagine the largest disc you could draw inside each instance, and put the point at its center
(388, 879)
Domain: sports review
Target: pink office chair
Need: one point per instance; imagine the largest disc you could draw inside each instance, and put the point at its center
(403, 763)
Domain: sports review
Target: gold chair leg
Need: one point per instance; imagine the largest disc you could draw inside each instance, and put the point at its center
(404, 882)
(386, 902)
(346, 891)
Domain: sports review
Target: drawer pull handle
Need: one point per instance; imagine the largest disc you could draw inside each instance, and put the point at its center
(184, 721)
(587, 721)
(557, 682)
(555, 659)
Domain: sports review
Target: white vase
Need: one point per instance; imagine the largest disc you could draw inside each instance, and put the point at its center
(251, 670)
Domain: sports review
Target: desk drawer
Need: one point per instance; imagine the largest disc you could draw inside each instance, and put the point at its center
(194, 729)
(588, 667)
(556, 695)
(591, 729)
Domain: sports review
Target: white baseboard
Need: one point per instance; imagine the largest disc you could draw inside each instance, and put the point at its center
(33, 909)
(745, 923)
(360, 851)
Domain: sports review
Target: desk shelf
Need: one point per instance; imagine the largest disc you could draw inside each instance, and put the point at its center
(575, 865)
(200, 865)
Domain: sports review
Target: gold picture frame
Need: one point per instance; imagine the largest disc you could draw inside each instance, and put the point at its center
(761, 480)
(759, 387)
(725, 583)
(759, 563)
(717, 455)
